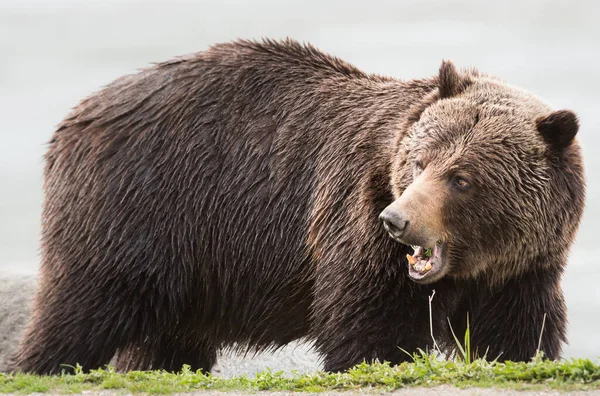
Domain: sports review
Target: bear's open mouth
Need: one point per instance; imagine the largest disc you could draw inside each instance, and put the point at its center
(426, 263)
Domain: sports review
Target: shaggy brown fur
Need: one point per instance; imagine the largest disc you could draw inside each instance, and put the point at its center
(232, 197)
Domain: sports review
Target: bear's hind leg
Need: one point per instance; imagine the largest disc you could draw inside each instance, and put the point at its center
(169, 355)
(72, 325)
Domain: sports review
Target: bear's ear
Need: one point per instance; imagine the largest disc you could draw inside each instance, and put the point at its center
(451, 81)
(558, 128)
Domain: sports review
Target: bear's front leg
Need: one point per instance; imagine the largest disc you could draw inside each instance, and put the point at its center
(506, 321)
(370, 315)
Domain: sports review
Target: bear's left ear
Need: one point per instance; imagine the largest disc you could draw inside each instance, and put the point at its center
(558, 128)
(451, 82)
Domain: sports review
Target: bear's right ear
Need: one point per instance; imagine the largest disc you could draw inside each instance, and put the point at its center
(558, 128)
(450, 81)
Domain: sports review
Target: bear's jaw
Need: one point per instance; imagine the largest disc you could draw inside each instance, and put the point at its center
(427, 265)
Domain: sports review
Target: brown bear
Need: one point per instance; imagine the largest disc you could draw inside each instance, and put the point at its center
(243, 196)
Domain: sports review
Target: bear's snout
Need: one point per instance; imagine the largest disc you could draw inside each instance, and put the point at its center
(415, 218)
(394, 223)
(403, 227)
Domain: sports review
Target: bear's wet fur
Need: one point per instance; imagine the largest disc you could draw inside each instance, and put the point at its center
(231, 198)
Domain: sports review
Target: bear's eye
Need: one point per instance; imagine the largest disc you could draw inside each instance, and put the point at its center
(460, 183)
(418, 167)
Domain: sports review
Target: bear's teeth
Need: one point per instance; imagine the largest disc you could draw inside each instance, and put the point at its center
(411, 260)
(428, 266)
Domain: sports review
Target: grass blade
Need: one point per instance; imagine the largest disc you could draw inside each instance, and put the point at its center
(468, 342)
(460, 347)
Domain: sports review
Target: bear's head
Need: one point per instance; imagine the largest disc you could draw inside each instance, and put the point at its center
(487, 179)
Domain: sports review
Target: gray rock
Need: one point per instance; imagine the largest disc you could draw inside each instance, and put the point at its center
(16, 295)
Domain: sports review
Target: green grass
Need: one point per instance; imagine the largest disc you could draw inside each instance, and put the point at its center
(426, 370)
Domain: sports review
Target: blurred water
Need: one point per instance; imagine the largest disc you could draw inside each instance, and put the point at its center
(54, 53)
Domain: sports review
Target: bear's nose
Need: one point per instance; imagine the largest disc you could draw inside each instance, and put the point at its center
(394, 223)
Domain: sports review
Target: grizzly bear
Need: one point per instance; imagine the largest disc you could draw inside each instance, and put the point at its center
(260, 192)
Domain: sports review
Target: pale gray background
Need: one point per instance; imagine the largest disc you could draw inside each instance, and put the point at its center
(54, 53)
